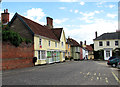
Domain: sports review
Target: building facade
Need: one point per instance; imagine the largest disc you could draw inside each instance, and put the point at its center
(107, 42)
(49, 42)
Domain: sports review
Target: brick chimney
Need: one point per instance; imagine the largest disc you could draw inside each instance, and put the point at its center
(49, 22)
(96, 34)
(5, 17)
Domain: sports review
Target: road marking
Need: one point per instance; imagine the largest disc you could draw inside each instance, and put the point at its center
(106, 79)
(116, 77)
(88, 73)
(97, 78)
(94, 74)
(99, 74)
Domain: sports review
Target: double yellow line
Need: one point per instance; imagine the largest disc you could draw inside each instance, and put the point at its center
(116, 78)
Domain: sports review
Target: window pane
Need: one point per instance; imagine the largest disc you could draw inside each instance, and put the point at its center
(116, 43)
(100, 43)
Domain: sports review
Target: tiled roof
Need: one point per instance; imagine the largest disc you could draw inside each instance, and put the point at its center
(39, 29)
(57, 32)
(108, 36)
(72, 42)
(89, 48)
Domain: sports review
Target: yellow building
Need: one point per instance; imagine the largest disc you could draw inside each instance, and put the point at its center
(68, 50)
(49, 42)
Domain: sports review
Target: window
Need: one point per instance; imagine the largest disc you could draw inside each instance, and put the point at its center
(41, 54)
(107, 53)
(108, 43)
(55, 44)
(62, 44)
(40, 41)
(49, 43)
(68, 45)
(100, 43)
(76, 49)
(116, 43)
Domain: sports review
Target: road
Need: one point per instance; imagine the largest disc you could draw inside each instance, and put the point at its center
(67, 73)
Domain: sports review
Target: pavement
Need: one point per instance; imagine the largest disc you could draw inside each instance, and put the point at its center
(66, 73)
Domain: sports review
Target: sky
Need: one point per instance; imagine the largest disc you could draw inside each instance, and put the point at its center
(80, 20)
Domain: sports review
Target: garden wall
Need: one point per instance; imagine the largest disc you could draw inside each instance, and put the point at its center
(17, 57)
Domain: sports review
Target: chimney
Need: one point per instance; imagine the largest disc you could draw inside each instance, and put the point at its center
(81, 43)
(5, 17)
(85, 42)
(96, 34)
(49, 22)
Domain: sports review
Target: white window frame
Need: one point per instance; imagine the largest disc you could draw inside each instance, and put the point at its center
(107, 43)
(49, 43)
(99, 43)
(55, 44)
(40, 55)
(62, 44)
(117, 43)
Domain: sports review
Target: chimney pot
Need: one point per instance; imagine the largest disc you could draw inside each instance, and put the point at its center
(85, 42)
(96, 34)
(6, 10)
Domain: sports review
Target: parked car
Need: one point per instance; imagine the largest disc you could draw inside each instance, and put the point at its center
(118, 66)
(114, 61)
(113, 57)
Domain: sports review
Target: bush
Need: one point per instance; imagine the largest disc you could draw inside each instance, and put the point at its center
(13, 37)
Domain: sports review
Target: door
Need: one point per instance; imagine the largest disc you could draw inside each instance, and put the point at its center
(107, 54)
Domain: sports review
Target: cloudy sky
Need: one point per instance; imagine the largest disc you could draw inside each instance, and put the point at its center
(80, 20)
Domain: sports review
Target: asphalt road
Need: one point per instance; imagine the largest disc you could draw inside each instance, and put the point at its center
(67, 73)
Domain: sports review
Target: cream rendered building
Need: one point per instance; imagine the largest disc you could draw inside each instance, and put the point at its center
(107, 42)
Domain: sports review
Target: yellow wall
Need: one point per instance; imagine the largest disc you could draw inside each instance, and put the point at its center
(68, 50)
(46, 47)
(112, 44)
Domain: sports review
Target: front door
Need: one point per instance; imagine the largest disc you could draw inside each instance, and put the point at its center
(107, 54)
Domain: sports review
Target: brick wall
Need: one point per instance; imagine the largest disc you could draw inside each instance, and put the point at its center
(17, 57)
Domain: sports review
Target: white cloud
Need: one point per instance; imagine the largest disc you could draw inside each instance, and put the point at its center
(59, 21)
(100, 4)
(88, 16)
(76, 11)
(71, 10)
(87, 32)
(111, 15)
(35, 14)
(62, 8)
(82, 3)
(68, 0)
(111, 6)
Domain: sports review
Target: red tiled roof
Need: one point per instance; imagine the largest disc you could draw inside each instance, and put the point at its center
(39, 29)
(57, 32)
(89, 48)
(73, 42)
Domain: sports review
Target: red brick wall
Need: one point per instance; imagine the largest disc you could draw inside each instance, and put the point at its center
(17, 57)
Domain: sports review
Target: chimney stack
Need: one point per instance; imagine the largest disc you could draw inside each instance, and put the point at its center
(5, 17)
(49, 22)
(96, 34)
(81, 43)
(85, 42)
